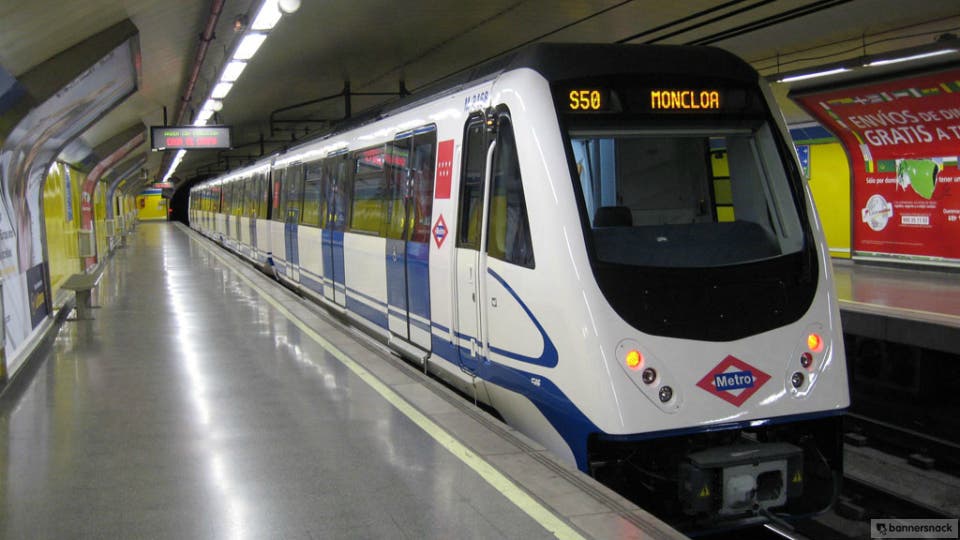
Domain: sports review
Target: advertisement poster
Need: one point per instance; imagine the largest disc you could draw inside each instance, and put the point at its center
(903, 139)
(37, 293)
(26, 154)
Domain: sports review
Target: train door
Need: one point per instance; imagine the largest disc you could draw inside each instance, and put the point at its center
(337, 208)
(236, 208)
(469, 253)
(264, 190)
(293, 185)
(225, 210)
(250, 202)
(409, 165)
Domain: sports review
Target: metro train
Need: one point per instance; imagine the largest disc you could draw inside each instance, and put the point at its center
(612, 246)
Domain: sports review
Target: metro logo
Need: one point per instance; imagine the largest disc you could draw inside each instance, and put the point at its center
(733, 380)
(440, 231)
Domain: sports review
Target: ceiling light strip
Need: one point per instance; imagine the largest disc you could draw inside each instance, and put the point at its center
(267, 17)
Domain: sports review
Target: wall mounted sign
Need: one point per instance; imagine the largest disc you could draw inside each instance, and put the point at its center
(189, 137)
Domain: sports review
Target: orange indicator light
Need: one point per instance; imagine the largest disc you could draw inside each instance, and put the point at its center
(634, 360)
(815, 343)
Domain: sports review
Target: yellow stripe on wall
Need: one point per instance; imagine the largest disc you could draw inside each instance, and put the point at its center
(830, 185)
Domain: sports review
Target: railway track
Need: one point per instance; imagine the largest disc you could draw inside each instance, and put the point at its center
(877, 485)
(923, 450)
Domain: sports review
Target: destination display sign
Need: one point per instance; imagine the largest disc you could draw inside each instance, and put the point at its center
(671, 99)
(684, 99)
(587, 99)
(189, 137)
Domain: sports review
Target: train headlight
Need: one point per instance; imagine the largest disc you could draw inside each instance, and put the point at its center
(813, 352)
(634, 360)
(649, 375)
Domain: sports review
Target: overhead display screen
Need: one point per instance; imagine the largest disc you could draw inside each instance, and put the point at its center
(189, 137)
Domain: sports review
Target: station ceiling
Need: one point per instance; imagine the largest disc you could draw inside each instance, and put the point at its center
(376, 44)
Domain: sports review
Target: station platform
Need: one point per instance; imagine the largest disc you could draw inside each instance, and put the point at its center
(914, 306)
(205, 401)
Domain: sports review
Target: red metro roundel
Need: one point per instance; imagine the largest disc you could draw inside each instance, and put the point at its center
(440, 231)
(733, 380)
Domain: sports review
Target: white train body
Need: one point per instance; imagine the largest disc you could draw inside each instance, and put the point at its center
(713, 291)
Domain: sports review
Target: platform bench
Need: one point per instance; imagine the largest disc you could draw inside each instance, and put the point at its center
(82, 285)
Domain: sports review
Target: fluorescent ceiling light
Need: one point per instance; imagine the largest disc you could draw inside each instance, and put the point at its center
(813, 75)
(909, 58)
(233, 70)
(212, 105)
(173, 166)
(221, 90)
(267, 17)
(248, 47)
(204, 115)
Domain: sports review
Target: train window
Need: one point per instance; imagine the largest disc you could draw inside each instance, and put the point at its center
(369, 189)
(250, 197)
(263, 192)
(471, 186)
(702, 197)
(396, 168)
(293, 187)
(422, 167)
(225, 199)
(312, 193)
(228, 199)
(236, 198)
(508, 229)
(338, 191)
(279, 207)
(409, 167)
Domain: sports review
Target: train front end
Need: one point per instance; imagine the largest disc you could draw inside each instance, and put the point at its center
(714, 292)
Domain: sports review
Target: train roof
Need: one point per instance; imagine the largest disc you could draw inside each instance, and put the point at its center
(558, 62)
(562, 61)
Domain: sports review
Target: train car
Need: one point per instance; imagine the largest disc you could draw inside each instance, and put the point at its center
(612, 246)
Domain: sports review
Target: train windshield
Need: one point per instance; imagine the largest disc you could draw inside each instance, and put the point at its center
(692, 206)
(686, 197)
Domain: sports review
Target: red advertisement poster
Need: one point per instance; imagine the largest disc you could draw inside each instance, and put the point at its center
(903, 138)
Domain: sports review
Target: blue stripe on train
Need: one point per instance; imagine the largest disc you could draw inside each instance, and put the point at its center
(372, 314)
(408, 278)
(562, 414)
(566, 418)
(418, 278)
(332, 257)
(310, 283)
(397, 275)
